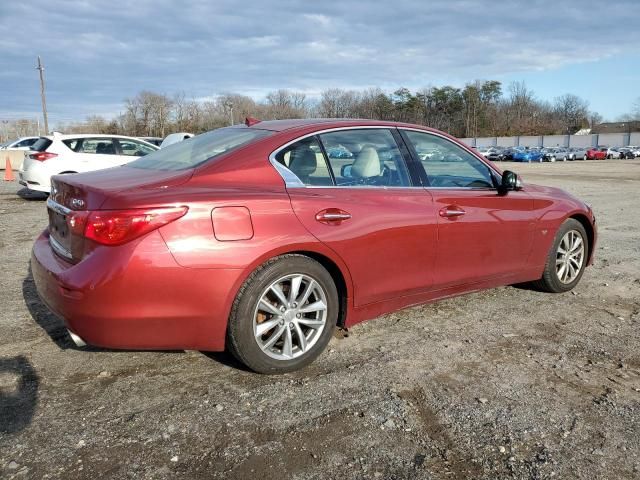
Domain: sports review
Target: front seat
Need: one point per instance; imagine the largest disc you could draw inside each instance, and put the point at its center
(303, 162)
(367, 164)
(100, 148)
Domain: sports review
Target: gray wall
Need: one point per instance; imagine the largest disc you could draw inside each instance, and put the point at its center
(608, 139)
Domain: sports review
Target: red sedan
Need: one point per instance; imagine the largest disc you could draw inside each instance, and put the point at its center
(261, 238)
(598, 153)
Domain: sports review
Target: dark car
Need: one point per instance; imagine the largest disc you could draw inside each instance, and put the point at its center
(251, 238)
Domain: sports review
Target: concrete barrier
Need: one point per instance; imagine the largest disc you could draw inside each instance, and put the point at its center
(16, 157)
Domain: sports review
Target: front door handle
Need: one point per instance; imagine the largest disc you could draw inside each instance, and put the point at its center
(451, 211)
(332, 216)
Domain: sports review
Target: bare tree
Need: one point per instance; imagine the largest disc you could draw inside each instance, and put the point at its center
(572, 112)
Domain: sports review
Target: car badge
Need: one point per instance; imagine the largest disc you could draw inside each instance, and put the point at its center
(77, 203)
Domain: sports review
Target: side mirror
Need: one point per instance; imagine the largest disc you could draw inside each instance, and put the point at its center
(510, 181)
(345, 171)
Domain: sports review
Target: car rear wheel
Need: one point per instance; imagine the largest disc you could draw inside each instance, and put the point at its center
(567, 258)
(585, 157)
(284, 315)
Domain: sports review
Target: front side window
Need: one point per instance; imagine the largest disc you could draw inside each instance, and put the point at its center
(367, 157)
(195, 151)
(448, 165)
(305, 159)
(131, 148)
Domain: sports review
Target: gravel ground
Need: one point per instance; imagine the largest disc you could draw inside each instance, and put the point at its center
(506, 383)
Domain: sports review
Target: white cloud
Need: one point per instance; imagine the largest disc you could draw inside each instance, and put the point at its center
(98, 55)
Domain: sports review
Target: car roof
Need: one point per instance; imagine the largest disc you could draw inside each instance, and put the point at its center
(282, 125)
(60, 136)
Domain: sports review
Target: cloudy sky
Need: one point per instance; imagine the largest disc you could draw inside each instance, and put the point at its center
(97, 53)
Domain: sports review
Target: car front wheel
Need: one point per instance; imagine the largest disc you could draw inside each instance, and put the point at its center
(284, 315)
(567, 258)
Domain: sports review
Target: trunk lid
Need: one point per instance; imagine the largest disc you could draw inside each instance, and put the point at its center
(89, 191)
(73, 196)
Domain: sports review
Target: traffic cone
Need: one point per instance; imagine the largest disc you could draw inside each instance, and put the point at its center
(8, 172)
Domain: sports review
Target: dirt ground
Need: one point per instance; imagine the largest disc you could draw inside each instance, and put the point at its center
(507, 383)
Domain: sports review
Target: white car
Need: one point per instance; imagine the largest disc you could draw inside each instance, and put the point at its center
(485, 151)
(22, 143)
(59, 154)
(175, 138)
(613, 152)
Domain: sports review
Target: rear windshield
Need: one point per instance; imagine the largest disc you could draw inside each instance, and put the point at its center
(41, 144)
(197, 150)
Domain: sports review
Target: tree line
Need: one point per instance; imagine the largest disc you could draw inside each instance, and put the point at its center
(481, 108)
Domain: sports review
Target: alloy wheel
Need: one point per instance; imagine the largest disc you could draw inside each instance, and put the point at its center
(569, 256)
(290, 316)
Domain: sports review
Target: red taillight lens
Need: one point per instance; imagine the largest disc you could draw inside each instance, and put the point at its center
(76, 222)
(115, 227)
(42, 156)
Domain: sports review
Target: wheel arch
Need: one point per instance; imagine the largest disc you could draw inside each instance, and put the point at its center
(588, 227)
(338, 278)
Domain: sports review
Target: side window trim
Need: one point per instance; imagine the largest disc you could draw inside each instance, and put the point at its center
(292, 181)
(421, 175)
(492, 173)
(327, 162)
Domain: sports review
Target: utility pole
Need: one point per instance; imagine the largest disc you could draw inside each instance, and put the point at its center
(229, 105)
(40, 67)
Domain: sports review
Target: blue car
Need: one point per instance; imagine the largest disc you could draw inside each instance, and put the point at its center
(527, 155)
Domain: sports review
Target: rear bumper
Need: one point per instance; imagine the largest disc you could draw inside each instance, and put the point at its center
(136, 296)
(35, 180)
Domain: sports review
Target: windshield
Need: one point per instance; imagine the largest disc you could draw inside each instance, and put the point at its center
(197, 150)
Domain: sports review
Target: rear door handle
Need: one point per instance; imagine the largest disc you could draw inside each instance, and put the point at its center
(332, 216)
(451, 211)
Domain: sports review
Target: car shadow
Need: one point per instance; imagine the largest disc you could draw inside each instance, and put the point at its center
(228, 360)
(27, 194)
(17, 404)
(52, 325)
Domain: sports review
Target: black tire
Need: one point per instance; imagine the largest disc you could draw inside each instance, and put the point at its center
(585, 157)
(241, 341)
(550, 282)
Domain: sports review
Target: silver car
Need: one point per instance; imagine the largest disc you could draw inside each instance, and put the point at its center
(577, 153)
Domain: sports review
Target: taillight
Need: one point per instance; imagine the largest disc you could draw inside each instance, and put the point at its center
(42, 156)
(115, 227)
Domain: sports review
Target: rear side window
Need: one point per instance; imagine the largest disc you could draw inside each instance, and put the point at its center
(365, 158)
(41, 144)
(28, 142)
(305, 159)
(99, 146)
(194, 151)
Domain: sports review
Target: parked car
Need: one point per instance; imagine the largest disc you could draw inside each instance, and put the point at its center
(635, 149)
(613, 152)
(507, 153)
(626, 153)
(527, 155)
(496, 154)
(577, 153)
(597, 153)
(339, 152)
(65, 154)
(555, 154)
(175, 138)
(157, 141)
(250, 238)
(485, 151)
(22, 143)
